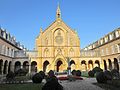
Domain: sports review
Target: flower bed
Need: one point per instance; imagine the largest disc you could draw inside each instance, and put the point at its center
(77, 77)
(63, 78)
(69, 77)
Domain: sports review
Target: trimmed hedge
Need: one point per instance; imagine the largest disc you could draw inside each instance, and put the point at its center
(91, 73)
(10, 75)
(108, 75)
(97, 69)
(78, 73)
(115, 74)
(37, 78)
(100, 77)
(74, 72)
(21, 72)
(52, 84)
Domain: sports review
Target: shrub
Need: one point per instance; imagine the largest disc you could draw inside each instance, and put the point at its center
(97, 69)
(51, 73)
(91, 73)
(37, 78)
(100, 77)
(52, 84)
(10, 75)
(78, 73)
(42, 74)
(73, 72)
(108, 75)
(21, 72)
(115, 74)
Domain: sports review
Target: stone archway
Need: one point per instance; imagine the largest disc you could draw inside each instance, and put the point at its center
(59, 65)
(17, 66)
(72, 64)
(26, 66)
(83, 64)
(9, 67)
(110, 64)
(45, 66)
(90, 64)
(1, 66)
(33, 66)
(5, 67)
(105, 65)
(97, 63)
(116, 65)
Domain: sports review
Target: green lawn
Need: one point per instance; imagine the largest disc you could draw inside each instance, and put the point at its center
(29, 86)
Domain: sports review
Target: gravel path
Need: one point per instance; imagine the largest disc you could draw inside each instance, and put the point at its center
(85, 84)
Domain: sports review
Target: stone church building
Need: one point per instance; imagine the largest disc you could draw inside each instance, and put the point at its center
(56, 47)
(59, 44)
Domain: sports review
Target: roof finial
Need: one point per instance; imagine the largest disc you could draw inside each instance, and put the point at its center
(58, 12)
(41, 31)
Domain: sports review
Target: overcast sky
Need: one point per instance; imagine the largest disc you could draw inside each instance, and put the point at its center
(92, 19)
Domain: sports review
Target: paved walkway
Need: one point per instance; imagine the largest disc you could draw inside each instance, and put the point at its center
(85, 84)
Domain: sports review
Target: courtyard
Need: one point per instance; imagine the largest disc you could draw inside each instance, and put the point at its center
(85, 84)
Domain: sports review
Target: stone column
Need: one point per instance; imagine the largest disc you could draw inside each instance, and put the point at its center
(2, 69)
(113, 65)
(12, 66)
(29, 68)
(21, 66)
(7, 69)
(87, 67)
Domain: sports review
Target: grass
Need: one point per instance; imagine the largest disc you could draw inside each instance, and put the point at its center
(84, 74)
(29, 86)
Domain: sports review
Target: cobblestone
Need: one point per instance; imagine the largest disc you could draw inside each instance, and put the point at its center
(85, 84)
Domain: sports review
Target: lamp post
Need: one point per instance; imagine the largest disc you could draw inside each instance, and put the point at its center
(68, 68)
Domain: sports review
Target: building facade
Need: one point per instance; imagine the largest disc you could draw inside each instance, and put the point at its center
(55, 45)
(12, 55)
(109, 48)
(58, 47)
(58, 43)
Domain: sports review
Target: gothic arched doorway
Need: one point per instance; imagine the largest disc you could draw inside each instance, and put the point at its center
(45, 66)
(59, 66)
(72, 64)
